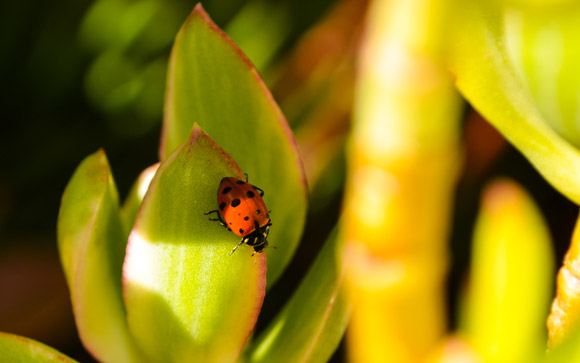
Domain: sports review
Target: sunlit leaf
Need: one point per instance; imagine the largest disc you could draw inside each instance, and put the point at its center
(485, 75)
(92, 249)
(310, 326)
(187, 298)
(135, 197)
(511, 277)
(14, 348)
(211, 82)
(542, 45)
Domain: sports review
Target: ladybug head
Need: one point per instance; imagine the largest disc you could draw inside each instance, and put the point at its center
(259, 238)
(260, 248)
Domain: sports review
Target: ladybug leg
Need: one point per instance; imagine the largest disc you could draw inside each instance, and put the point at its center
(259, 190)
(238, 245)
(246, 175)
(219, 218)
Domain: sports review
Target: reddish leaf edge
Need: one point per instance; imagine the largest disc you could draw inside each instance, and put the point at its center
(199, 12)
(260, 258)
(77, 301)
(196, 133)
(39, 347)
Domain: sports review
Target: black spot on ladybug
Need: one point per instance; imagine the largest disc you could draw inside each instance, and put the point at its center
(235, 202)
(241, 230)
(226, 190)
(258, 211)
(250, 194)
(246, 218)
(240, 182)
(222, 205)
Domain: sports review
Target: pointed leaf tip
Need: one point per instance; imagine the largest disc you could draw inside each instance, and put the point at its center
(510, 280)
(211, 82)
(92, 248)
(180, 280)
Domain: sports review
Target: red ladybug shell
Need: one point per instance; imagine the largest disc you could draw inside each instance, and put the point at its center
(241, 206)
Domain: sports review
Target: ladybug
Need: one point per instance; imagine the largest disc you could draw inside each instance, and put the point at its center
(243, 211)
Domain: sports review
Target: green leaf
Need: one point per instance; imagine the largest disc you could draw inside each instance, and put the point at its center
(17, 349)
(542, 45)
(313, 322)
(187, 298)
(135, 197)
(511, 280)
(211, 82)
(92, 249)
(567, 351)
(485, 76)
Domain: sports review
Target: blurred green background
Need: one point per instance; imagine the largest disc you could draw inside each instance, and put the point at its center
(81, 75)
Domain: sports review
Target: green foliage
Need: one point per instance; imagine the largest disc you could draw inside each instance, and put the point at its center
(177, 294)
(485, 76)
(542, 48)
(153, 280)
(17, 349)
(212, 83)
(511, 279)
(179, 279)
(92, 250)
(129, 42)
(311, 324)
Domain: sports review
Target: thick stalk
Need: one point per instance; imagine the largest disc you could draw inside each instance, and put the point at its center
(402, 168)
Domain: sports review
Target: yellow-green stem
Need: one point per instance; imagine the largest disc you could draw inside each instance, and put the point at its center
(402, 166)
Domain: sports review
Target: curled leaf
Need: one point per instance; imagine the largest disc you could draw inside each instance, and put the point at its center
(92, 243)
(485, 76)
(542, 45)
